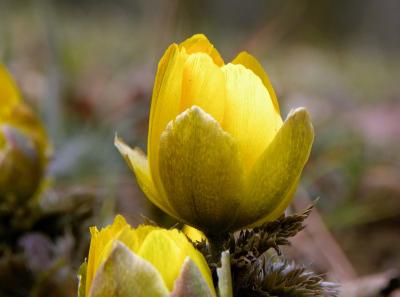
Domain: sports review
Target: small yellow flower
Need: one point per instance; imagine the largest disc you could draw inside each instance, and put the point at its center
(219, 155)
(24, 144)
(146, 261)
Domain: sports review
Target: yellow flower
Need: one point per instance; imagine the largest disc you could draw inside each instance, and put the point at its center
(23, 144)
(146, 261)
(219, 155)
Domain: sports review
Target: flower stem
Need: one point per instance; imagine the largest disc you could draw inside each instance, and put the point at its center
(216, 246)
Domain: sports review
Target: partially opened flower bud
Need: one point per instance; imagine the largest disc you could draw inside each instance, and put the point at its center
(23, 144)
(220, 157)
(146, 261)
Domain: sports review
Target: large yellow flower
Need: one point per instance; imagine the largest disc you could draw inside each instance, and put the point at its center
(219, 156)
(147, 261)
(24, 144)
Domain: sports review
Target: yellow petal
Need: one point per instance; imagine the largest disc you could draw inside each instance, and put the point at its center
(250, 116)
(155, 248)
(137, 161)
(125, 274)
(199, 43)
(165, 104)
(18, 114)
(188, 250)
(250, 62)
(203, 84)
(141, 233)
(201, 170)
(9, 95)
(99, 242)
(193, 234)
(273, 179)
(173, 243)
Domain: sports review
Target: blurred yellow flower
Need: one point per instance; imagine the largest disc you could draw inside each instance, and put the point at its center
(24, 144)
(146, 261)
(219, 155)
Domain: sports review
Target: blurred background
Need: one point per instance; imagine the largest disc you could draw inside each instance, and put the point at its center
(87, 67)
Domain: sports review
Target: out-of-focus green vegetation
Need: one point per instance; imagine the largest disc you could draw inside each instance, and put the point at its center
(88, 66)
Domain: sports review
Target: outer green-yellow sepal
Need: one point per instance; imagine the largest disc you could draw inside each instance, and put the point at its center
(124, 274)
(138, 162)
(274, 177)
(21, 165)
(201, 170)
(82, 280)
(190, 282)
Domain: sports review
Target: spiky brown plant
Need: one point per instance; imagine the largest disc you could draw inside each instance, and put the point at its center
(258, 267)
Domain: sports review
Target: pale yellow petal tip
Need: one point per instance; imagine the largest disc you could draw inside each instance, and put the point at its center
(194, 112)
(299, 111)
(198, 36)
(172, 48)
(121, 145)
(301, 114)
(125, 149)
(131, 156)
(243, 54)
(200, 43)
(119, 220)
(180, 117)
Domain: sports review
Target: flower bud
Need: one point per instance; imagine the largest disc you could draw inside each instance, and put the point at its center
(146, 261)
(23, 145)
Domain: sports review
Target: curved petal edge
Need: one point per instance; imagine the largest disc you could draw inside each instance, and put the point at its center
(273, 179)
